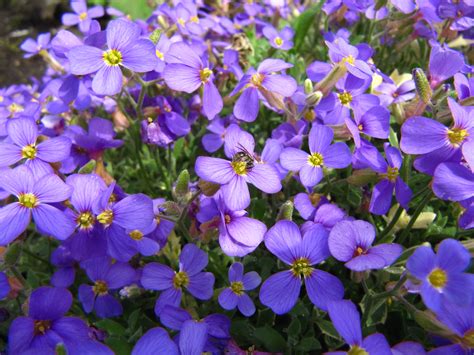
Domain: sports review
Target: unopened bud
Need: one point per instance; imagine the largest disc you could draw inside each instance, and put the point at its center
(208, 188)
(60, 349)
(155, 35)
(308, 86)
(286, 211)
(182, 185)
(422, 85)
(171, 208)
(314, 98)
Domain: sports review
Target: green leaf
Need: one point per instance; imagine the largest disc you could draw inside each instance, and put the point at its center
(304, 22)
(392, 138)
(294, 328)
(135, 8)
(327, 328)
(112, 327)
(308, 344)
(270, 338)
(119, 346)
(354, 196)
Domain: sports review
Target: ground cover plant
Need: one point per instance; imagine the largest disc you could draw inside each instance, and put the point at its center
(241, 177)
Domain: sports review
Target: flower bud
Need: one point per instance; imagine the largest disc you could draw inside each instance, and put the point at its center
(314, 98)
(308, 86)
(422, 85)
(208, 188)
(330, 80)
(286, 211)
(181, 189)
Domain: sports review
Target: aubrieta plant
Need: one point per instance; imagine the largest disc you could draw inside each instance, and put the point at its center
(241, 177)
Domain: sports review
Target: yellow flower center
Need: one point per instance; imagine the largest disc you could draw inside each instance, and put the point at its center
(106, 217)
(112, 57)
(159, 54)
(29, 151)
(349, 59)
(157, 220)
(41, 326)
(316, 159)
(301, 267)
(257, 79)
(205, 74)
(456, 136)
(438, 278)
(278, 41)
(85, 220)
(392, 174)
(28, 200)
(468, 338)
(1, 98)
(83, 16)
(13, 108)
(355, 350)
(136, 234)
(358, 252)
(237, 287)
(100, 288)
(240, 167)
(345, 98)
(181, 21)
(227, 219)
(180, 279)
(194, 19)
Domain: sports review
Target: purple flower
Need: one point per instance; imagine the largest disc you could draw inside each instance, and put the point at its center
(273, 87)
(460, 321)
(390, 180)
(125, 48)
(280, 291)
(441, 275)
(234, 175)
(375, 122)
(125, 223)
(35, 197)
(350, 57)
(464, 86)
(162, 47)
(107, 276)
(453, 181)
(440, 70)
(155, 341)
(307, 204)
(211, 334)
(346, 320)
(214, 140)
(437, 143)
(408, 348)
(351, 242)
(65, 273)
(4, 286)
(280, 40)
(82, 15)
(185, 71)
(46, 326)
(32, 47)
(235, 296)
(390, 93)
(161, 277)
(23, 133)
(322, 154)
(239, 235)
(161, 228)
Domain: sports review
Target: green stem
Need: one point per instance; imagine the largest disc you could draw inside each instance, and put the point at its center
(392, 223)
(415, 216)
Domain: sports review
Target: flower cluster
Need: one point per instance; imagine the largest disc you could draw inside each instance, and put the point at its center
(318, 145)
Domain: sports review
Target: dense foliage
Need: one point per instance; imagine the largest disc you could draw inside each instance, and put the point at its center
(242, 177)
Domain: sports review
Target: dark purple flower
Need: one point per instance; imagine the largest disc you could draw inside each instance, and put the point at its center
(280, 40)
(46, 326)
(82, 15)
(346, 320)
(280, 292)
(211, 333)
(234, 175)
(32, 47)
(273, 87)
(464, 86)
(107, 277)
(65, 273)
(235, 296)
(155, 341)
(322, 154)
(124, 48)
(351, 242)
(4, 286)
(442, 275)
(161, 277)
(185, 71)
(23, 133)
(375, 122)
(390, 180)
(35, 197)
